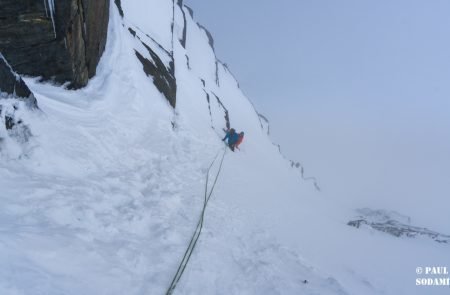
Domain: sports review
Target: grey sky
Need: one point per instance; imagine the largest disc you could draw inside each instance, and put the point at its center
(359, 90)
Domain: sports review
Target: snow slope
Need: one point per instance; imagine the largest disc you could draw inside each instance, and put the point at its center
(105, 196)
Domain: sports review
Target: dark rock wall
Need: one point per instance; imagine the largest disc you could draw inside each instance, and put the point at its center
(119, 6)
(28, 42)
(69, 52)
(163, 77)
(12, 84)
(97, 17)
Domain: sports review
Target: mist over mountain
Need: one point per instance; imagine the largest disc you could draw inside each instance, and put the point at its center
(362, 103)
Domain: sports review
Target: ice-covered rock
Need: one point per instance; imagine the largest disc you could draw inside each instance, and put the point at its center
(395, 224)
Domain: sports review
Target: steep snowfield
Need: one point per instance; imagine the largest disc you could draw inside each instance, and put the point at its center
(106, 195)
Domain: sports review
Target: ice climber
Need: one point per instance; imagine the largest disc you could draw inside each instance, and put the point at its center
(232, 137)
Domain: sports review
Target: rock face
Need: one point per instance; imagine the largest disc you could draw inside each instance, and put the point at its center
(394, 224)
(11, 85)
(14, 94)
(64, 43)
(163, 77)
(157, 63)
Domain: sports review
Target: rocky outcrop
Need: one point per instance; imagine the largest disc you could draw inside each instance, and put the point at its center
(266, 125)
(11, 85)
(60, 40)
(394, 224)
(209, 35)
(157, 63)
(299, 166)
(119, 7)
(96, 18)
(163, 78)
(225, 112)
(14, 95)
(184, 35)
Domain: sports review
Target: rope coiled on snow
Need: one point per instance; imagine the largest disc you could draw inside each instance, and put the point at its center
(198, 229)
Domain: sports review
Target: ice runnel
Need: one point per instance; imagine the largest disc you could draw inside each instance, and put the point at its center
(50, 9)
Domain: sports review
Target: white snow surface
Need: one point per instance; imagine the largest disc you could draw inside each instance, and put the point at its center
(154, 17)
(105, 196)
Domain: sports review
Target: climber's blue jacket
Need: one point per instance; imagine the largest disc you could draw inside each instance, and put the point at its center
(232, 137)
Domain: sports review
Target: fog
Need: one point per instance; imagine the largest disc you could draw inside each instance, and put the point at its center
(357, 91)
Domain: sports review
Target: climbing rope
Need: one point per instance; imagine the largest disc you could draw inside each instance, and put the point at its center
(198, 229)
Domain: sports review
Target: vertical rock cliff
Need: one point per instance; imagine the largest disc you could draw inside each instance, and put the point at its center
(61, 40)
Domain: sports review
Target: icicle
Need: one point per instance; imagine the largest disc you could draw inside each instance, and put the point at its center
(51, 8)
(45, 5)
